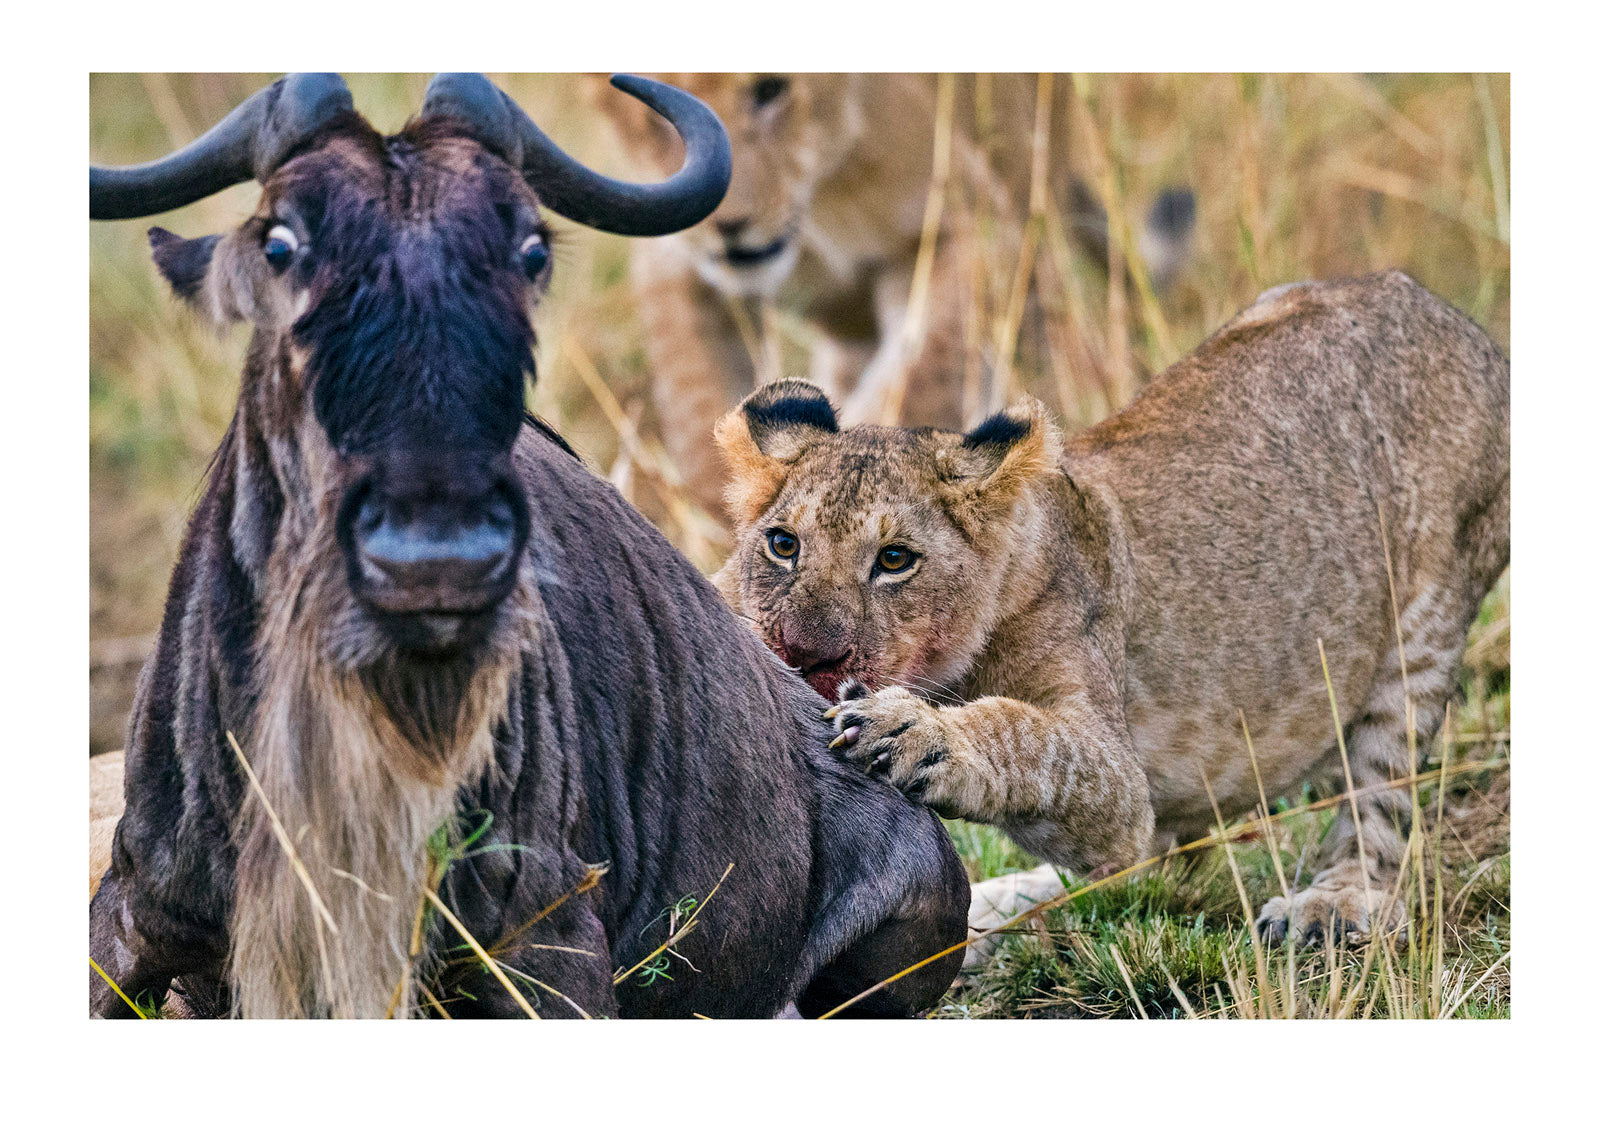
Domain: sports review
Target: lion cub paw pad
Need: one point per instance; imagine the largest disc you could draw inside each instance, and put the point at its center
(1344, 912)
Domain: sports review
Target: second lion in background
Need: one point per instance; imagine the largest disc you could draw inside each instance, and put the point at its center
(824, 221)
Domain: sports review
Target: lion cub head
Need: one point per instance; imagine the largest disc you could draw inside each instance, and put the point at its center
(874, 553)
(789, 133)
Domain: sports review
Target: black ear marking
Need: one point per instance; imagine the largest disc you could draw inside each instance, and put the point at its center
(784, 405)
(183, 262)
(999, 431)
(998, 460)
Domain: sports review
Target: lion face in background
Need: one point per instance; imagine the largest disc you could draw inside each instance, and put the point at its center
(872, 554)
(789, 133)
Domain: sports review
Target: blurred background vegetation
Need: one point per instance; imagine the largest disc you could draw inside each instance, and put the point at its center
(1296, 176)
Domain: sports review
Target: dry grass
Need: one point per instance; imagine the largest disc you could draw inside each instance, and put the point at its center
(1296, 177)
(1176, 940)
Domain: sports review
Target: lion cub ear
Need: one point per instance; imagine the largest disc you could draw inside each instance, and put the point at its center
(987, 468)
(761, 439)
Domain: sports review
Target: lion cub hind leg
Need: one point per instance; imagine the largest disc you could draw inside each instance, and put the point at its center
(1340, 904)
(1343, 901)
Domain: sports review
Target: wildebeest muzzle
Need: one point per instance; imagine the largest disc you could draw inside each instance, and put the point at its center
(433, 542)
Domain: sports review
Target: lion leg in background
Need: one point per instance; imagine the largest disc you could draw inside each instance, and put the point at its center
(699, 365)
(897, 894)
(1002, 898)
(1432, 636)
(933, 379)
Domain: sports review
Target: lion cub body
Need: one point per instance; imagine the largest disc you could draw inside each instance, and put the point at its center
(1086, 624)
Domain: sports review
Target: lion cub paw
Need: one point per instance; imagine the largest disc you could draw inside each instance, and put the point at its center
(997, 901)
(894, 735)
(1337, 905)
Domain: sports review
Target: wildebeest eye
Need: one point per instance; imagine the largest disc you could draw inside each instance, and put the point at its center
(782, 543)
(535, 254)
(768, 89)
(279, 246)
(895, 558)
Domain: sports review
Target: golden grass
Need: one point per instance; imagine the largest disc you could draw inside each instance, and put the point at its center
(1226, 837)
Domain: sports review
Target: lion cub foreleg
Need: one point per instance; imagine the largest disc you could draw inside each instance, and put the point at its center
(1062, 780)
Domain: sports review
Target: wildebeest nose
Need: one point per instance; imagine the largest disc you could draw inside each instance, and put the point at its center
(435, 558)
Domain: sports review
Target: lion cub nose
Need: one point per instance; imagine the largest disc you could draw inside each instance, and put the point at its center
(731, 230)
(812, 653)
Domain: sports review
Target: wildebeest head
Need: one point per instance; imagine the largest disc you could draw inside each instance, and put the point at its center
(390, 281)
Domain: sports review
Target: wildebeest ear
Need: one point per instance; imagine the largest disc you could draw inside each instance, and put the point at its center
(992, 464)
(183, 262)
(765, 435)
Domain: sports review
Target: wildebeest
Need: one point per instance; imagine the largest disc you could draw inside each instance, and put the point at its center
(441, 643)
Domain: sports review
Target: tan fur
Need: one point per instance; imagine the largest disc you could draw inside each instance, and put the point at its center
(105, 809)
(756, 473)
(1077, 642)
(839, 165)
(973, 486)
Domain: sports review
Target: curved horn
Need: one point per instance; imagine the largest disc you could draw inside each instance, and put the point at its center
(249, 143)
(579, 193)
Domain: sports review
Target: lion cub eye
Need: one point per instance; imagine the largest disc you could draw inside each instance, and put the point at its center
(768, 89)
(895, 559)
(782, 544)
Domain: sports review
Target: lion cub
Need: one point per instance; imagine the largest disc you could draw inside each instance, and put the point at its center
(1061, 637)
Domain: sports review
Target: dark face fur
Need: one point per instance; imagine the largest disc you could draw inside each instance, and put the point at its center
(390, 281)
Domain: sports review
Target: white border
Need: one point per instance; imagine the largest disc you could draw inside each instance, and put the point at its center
(697, 1073)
